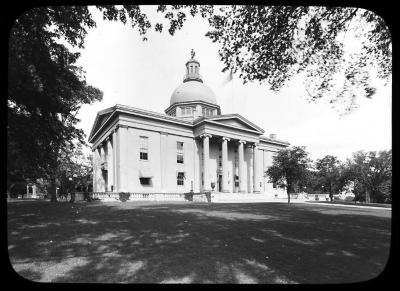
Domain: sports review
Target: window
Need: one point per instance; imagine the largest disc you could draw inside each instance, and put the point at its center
(179, 152)
(144, 148)
(180, 178)
(219, 161)
(145, 181)
(186, 111)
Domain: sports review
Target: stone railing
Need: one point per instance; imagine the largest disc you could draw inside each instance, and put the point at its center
(134, 196)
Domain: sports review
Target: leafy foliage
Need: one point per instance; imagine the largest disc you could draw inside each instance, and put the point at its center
(74, 171)
(45, 90)
(289, 167)
(329, 172)
(372, 173)
(271, 44)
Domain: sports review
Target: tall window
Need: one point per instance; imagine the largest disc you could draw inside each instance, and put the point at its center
(220, 161)
(180, 178)
(144, 148)
(179, 152)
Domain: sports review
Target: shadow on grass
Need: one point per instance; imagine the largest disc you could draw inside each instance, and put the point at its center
(196, 243)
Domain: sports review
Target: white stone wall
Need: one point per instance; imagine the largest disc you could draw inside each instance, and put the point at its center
(162, 153)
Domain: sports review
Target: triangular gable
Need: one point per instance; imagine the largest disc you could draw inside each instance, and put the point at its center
(236, 121)
(101, 118)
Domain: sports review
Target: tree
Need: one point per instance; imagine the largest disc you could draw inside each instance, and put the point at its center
(372, 174)
(271, 44)
(45, 91)
(289, 167)
(328, 170)
(74, 171)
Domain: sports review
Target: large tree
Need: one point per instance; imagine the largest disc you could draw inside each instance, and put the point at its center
(329, 172)
(45, 91)
(289, 167)
(372, 174)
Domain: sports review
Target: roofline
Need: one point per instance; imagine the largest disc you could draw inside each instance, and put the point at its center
(139, 112)
(275, 141)
(226, 116)
(203, 119)
(101, 112)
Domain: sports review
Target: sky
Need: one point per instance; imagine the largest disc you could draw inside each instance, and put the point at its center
(144, 75)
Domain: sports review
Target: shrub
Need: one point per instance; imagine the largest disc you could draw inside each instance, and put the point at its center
(123, 196)
(189, 196)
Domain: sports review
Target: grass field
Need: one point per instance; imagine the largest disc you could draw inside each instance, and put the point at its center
(144, 242)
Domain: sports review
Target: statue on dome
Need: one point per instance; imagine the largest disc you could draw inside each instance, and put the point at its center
(192, 53)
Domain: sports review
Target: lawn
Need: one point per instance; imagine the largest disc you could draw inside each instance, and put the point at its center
(144, 242)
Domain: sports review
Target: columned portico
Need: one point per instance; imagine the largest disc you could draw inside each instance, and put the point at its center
(206, 158)
(225, 164)
(242, 186)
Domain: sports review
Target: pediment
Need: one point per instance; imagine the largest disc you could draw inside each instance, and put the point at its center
(236, 121)
(101, 118)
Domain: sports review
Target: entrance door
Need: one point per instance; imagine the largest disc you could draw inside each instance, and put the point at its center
(219, 183)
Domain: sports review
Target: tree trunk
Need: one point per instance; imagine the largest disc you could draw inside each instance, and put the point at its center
(288, 192)
(9, 190)
(72, 200)
(330, 192)
(53, 190)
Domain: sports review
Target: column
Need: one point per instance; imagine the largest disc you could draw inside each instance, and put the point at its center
(94, 170)
(123, 154)
(163, 162)
(250, 168)
(110, 170)
(206, 157)
(256, 173)
(115, 164)
(100, 171)
(242, 187)
(97, 170)
(225, 187)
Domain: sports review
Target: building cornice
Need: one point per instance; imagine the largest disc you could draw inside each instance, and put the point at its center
(118, 108)
(172, 106)
(273, 141)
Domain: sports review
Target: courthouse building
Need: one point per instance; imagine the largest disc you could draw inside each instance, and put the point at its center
(190, 147)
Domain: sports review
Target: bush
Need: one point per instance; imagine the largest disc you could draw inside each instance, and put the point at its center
(189, 196)
(349, 198)
(123, 196)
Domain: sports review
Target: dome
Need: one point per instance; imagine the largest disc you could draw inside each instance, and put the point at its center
(193, 91)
